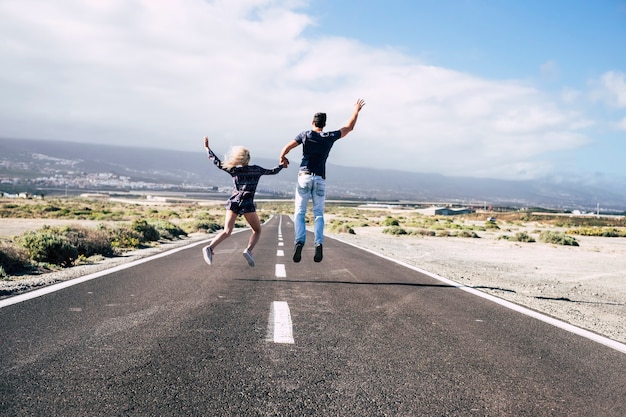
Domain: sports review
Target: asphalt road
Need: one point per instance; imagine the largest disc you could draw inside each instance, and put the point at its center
(354, 335)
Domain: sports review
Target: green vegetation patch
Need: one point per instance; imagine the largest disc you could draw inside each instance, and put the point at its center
(519, 237)
(14, 260)
(557, 238)
(599, 231)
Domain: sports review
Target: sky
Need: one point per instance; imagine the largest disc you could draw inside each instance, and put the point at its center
(524, 89)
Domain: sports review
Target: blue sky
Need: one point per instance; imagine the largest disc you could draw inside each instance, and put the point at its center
(503, 89)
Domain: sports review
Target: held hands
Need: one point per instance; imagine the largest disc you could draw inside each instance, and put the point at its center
(206, 142)
(284, 161)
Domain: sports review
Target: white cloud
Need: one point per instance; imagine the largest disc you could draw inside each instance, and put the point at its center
(621, 125)
(570, 95)
(611, 88)
(163, 74)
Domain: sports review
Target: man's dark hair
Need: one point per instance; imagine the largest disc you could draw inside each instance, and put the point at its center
(319, 120)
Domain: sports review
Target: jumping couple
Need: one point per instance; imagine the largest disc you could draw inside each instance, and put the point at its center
(316, 146)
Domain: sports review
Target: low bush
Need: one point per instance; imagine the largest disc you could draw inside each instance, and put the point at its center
(423, 232)
(124, 238)
(394, 230)
(491, 226)
(168, 230)
(14, 260)
(146, 231)
(522, 237)
(206, 226)
(557, 238)
(518, 237)
(49, 247)
(390, 221)
(598, 231)
(467, 233)
(88, 241)
(341, 228)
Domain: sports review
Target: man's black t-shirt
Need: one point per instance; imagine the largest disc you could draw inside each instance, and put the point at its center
(315, 149)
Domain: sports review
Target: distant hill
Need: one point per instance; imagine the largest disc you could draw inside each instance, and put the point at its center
(26, 160)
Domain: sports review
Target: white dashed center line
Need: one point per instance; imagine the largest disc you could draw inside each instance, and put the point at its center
(280, 271)
(279, 328)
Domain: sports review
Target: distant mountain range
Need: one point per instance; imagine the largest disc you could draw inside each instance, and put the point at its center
(44, 163)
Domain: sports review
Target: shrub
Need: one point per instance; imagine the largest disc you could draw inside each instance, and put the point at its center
(342, 228)
(394, 230)
(89, 242)
(491, 225)
(47, 246)
(206, 226)
(124, 237)
(523, 237)
(13, 260)
(557, 238)
(145, 231)
(424, 232)
(468, 233)
(168, 230)
(598, 231)
(390, 221)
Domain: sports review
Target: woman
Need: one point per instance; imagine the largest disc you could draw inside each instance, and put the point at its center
(241, 202)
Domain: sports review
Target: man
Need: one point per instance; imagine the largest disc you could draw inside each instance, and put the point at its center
(316, 145)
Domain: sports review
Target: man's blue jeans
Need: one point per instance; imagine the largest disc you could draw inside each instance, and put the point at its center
(314, 187)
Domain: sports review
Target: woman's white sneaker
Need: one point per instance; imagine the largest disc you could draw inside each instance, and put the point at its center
(246, 254)
(208, 254)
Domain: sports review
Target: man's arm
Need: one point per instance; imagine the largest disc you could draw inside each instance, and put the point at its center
(350, 126)
(283, 160)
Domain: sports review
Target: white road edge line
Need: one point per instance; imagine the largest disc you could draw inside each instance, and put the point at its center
(613, 344)
(69, 283)
(279, 326)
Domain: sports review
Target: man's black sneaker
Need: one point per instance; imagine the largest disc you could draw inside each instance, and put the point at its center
(318, 253)
(297, 253)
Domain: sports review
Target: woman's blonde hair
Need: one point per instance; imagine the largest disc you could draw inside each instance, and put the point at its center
(237, 155)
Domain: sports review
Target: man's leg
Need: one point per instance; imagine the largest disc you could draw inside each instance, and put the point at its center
(303, 190)
(302, 199)
(319, 199)
(318, 195)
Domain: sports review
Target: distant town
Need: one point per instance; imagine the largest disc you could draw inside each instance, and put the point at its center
(64, 168)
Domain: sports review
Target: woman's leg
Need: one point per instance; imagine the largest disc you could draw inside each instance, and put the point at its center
(253, 220)
(229, 224)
